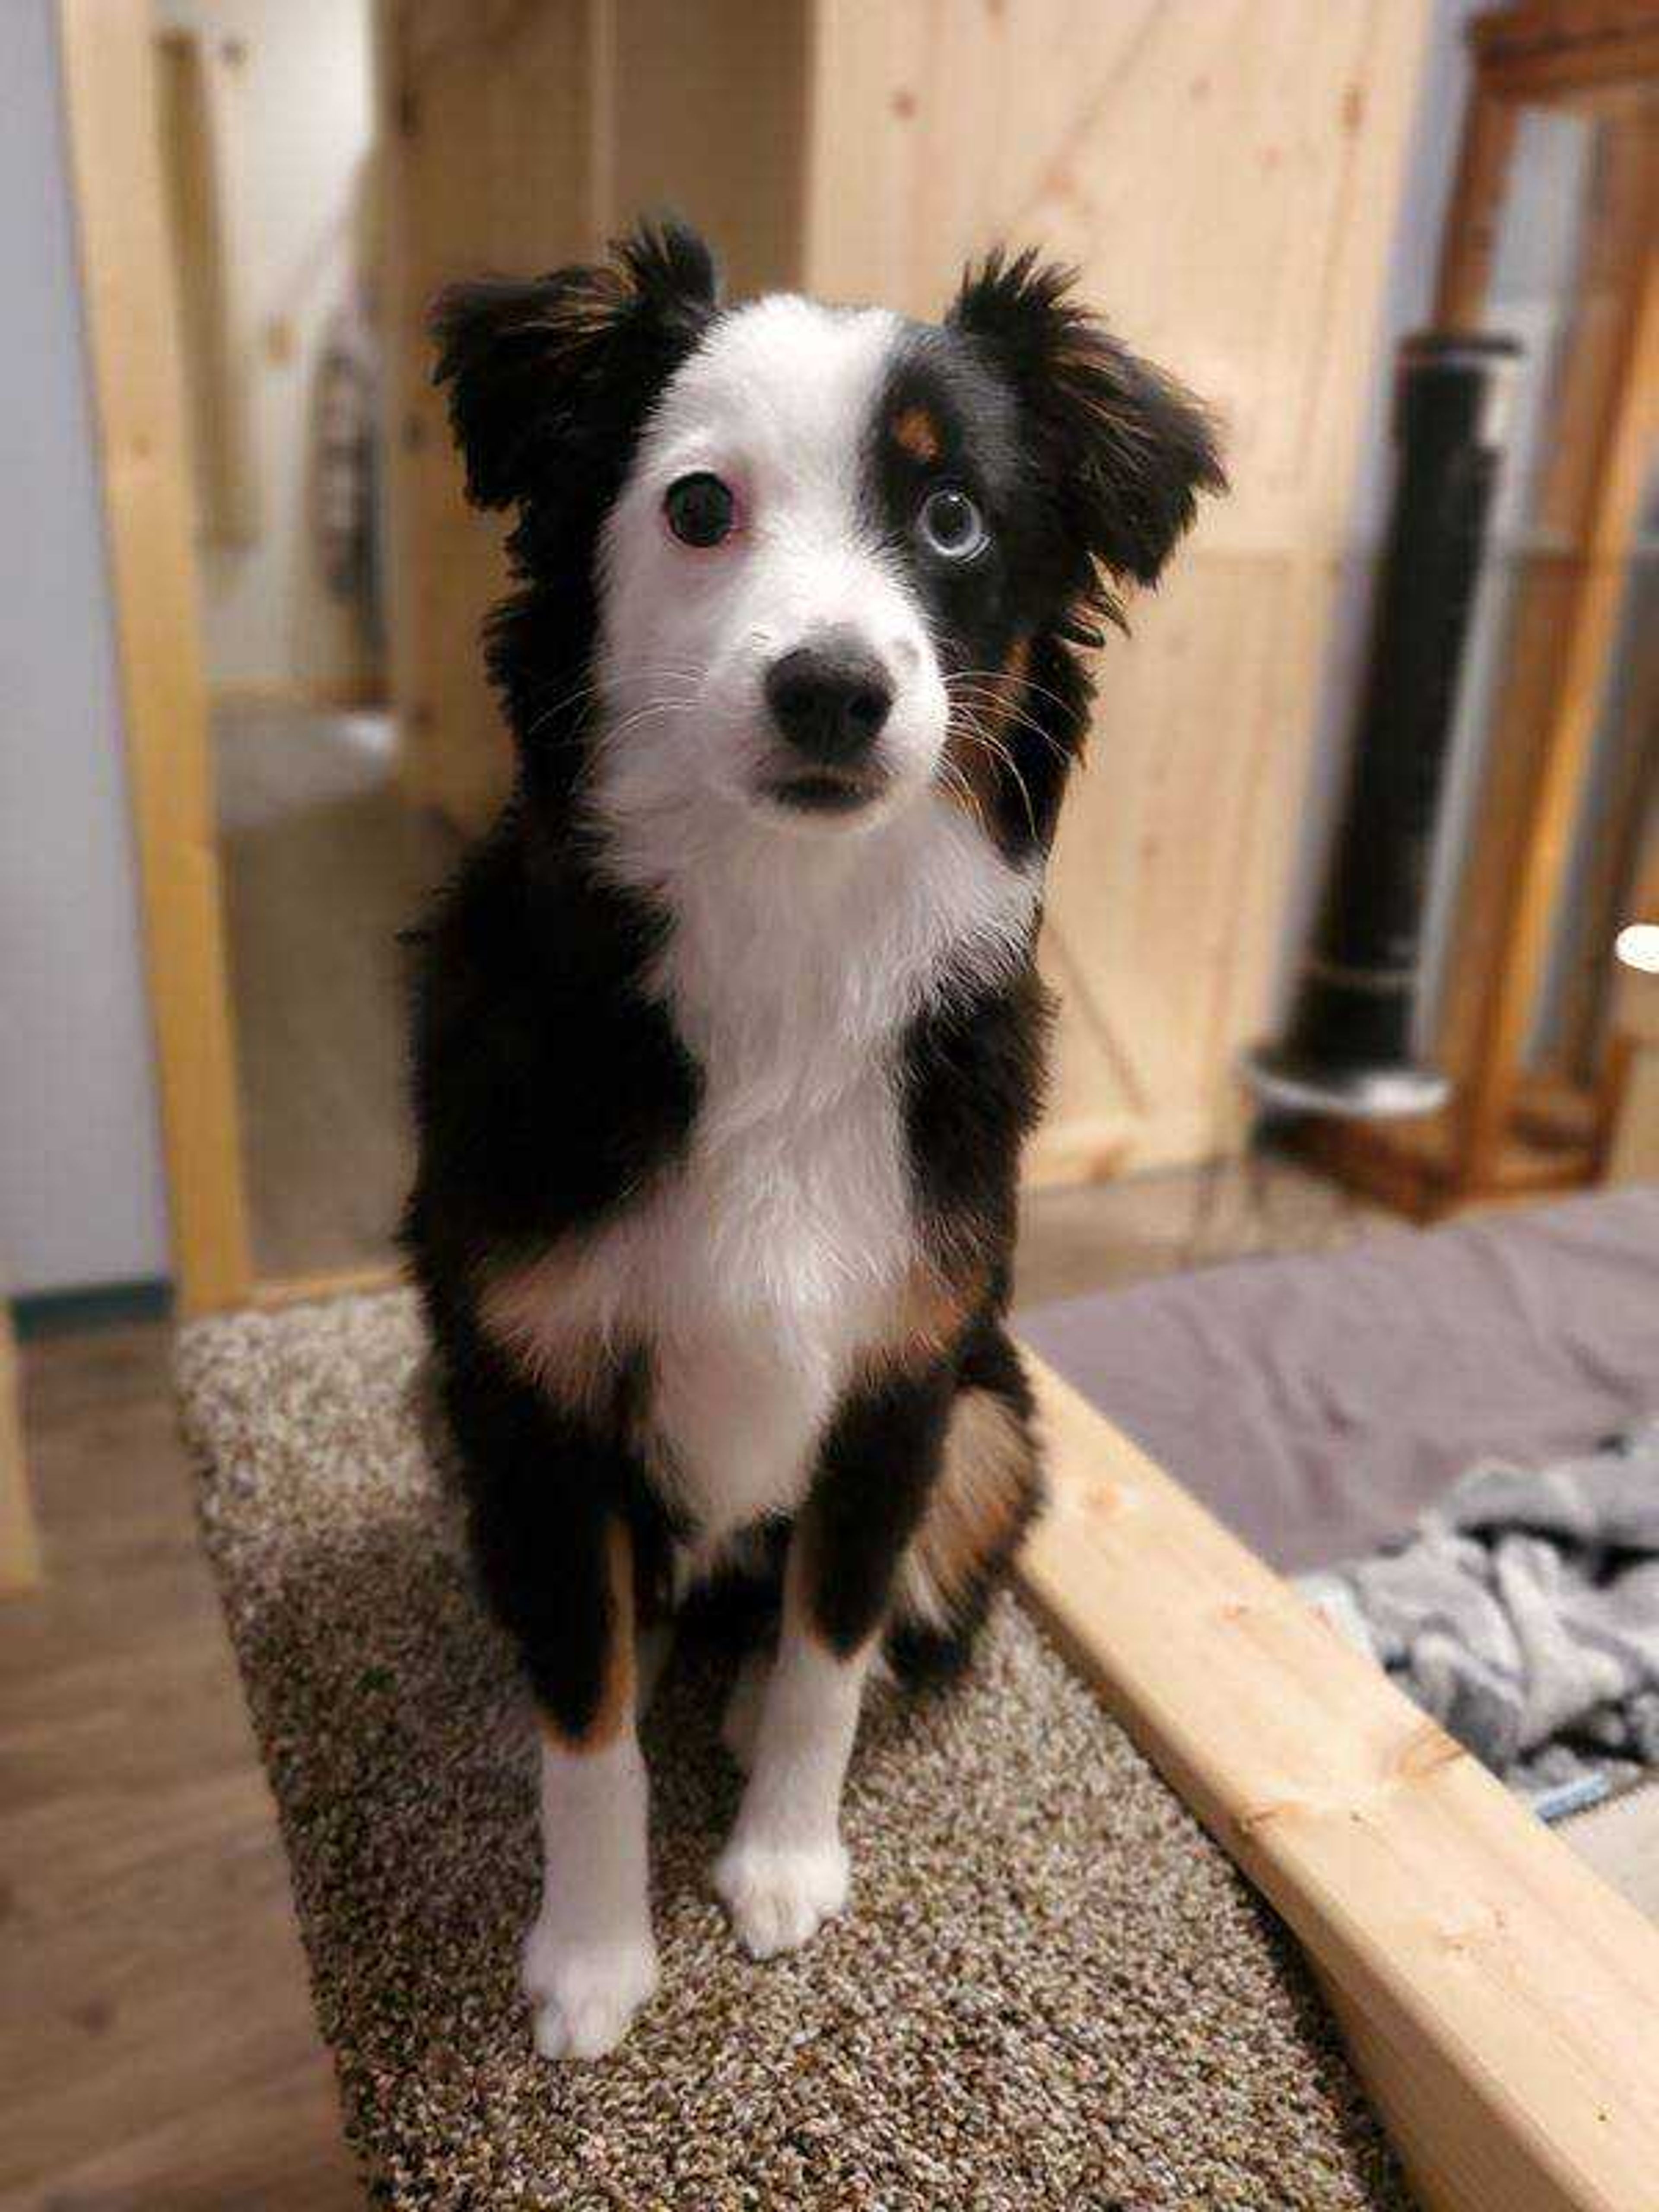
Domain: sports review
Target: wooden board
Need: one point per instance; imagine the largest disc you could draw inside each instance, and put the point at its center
(200, 87)
(1565, 596)
(1546, 50)
(19, 1544)
(1500, 2002)
(1633, 1140)
(1253, 267)
(137, 386)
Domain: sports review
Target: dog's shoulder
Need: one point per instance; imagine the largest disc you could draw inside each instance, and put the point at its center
(547, 1083)
(974, 1071)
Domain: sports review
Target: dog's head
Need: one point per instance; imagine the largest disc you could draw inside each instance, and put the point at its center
(835, 561)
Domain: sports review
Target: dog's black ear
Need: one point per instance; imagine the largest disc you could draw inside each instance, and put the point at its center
(536, 369)
(1125, 449)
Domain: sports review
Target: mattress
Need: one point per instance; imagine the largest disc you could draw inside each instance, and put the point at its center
(1316, 1404)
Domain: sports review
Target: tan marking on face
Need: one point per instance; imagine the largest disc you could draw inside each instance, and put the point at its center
(986, 1482)
(615, 1709)
(978, 732)
(916, 433)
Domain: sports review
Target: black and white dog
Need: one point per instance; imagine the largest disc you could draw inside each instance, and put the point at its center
(728, 1036)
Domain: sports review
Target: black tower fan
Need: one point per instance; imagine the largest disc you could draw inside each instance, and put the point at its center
(1349, 1049)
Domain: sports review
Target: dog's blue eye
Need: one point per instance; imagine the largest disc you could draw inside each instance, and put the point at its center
(952, 525)
(700, 509)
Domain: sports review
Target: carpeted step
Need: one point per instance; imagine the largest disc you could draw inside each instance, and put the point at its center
(1051, 1990)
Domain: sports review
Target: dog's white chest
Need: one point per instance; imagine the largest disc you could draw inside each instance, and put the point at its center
(757, 1272)
(757, 1269)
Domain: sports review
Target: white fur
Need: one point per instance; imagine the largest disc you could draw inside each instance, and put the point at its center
(589, 1960)
(780, 402)
(759, 1269)
(784, 1871)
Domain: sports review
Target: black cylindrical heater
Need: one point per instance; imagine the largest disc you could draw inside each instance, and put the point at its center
(1350, 1046)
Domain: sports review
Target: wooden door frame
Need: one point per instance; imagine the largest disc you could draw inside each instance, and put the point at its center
(107, 65)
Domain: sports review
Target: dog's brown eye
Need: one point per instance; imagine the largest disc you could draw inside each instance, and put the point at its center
(952, 525)
(700, 509)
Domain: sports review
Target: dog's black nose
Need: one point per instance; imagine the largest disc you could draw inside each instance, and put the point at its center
(830, 698)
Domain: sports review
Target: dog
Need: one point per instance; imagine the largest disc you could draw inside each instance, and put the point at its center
(727, 1037)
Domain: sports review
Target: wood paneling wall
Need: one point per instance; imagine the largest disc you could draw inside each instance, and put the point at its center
(1225, 172)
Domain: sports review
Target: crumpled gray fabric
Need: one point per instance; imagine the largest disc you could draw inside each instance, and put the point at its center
(1522, 1612)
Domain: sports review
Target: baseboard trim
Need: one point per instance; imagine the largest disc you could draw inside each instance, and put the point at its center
(39, 1314)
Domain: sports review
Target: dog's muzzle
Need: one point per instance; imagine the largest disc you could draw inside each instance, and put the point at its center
(829, 701)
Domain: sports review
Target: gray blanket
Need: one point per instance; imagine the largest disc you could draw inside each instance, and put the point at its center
(1523, 1614)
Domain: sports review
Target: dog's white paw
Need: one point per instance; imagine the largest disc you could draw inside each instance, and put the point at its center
(740, 1725)
(780, 1894)
(584, 1994)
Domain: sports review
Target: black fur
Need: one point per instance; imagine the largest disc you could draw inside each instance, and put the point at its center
(549, 384)
(878, 1463)
(550, 1090)
(547, 1086)
(1118, 451)
(1086, 463)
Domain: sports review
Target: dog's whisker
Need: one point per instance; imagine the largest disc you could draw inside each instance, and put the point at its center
(1004, 677)
(997, 700)
(665, 671)
(970, 729)
(957, 782)
(1019, 721)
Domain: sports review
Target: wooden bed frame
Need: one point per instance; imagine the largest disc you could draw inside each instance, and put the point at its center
(1500, 2002)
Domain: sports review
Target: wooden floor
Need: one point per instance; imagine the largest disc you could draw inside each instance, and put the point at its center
(323, 864)
(157, 2052)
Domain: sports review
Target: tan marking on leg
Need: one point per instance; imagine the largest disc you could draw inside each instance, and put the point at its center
(527, 1308)
(929, 1315)
(915, 431)
(978, 730)
(615, 1709)
(985, 1485)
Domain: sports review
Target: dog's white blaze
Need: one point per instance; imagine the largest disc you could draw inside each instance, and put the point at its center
(757, 1271)
(781, 401)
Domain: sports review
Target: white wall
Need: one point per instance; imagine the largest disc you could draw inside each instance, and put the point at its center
(81, 1196)
(302, 117)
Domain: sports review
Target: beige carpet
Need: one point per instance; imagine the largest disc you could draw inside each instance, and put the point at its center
(1051, 1991)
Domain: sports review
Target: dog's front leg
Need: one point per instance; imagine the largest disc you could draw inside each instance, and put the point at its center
(589, 1959)
(784, 1871)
